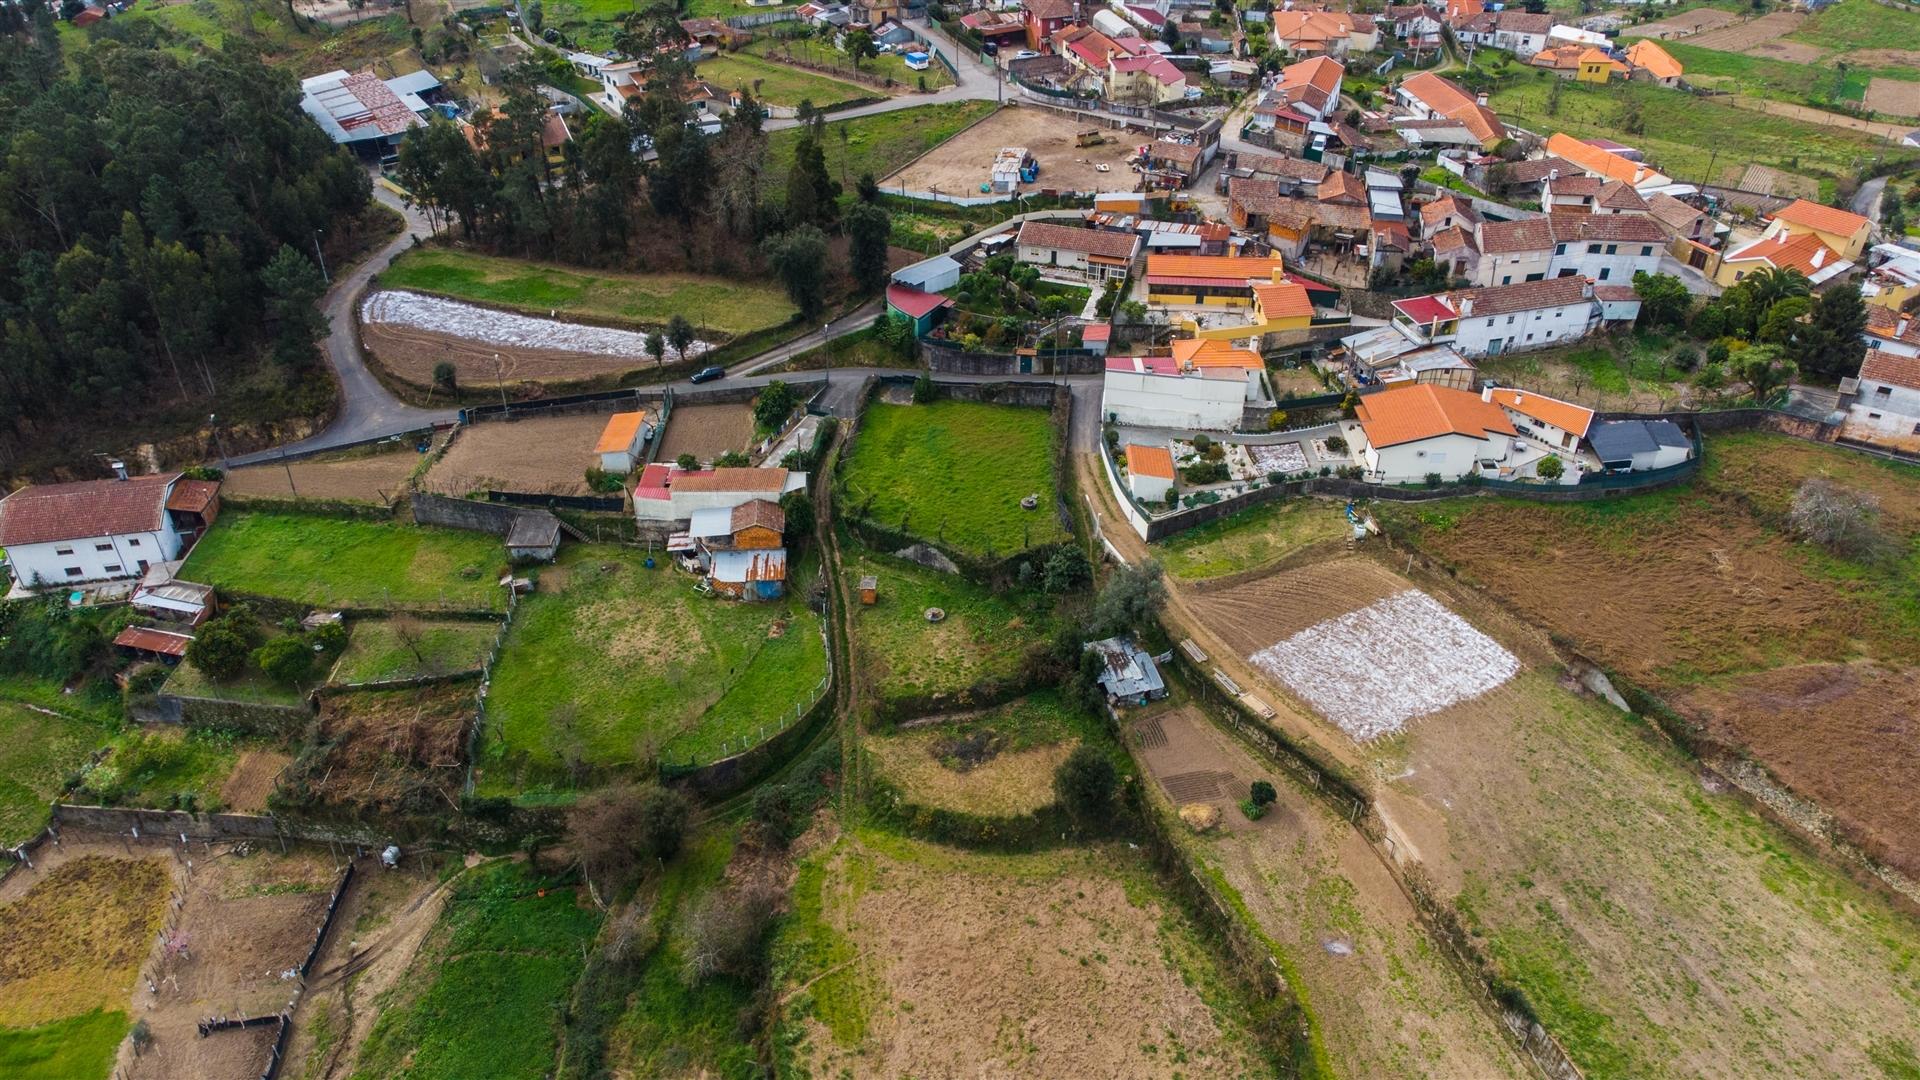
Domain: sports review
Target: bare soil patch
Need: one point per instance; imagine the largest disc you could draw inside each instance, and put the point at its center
(248, 918)
(931, 770)
(252, 780)
(1251, 615)
(1023, 966)
(1686, 24)
(1386, 1002)
(388, 751)
(706, 431)
(1894, 96)
(543, 455)
(74, 932)
(1867, 753)
(369, 478)
(410, 353)
(1741, 37)
(1884, 58)
(961, 164)
(1797, 52)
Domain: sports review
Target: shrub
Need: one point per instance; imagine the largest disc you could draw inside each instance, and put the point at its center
(1086, 784)
(285, 660)
(444, 376)
(1204, 472)
(1550, 468)
(1262, 793)
(219, 650)
(727, 929)
(1131, 599)
(923, 389)
(1066, 571)
(1844, 521)
(1336, 444)
(617, 831)
(600, 480)
(775, 404)
(1202, 442)
(1433, 479)
(1253, 810)
(687, 461)
(732, 459)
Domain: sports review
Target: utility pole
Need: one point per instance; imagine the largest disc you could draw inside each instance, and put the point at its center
(324, 276)
(500, 380)
(289, 468)
(213, 421)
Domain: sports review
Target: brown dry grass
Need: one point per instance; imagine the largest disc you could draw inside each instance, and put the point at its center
(706, 431)
(1680, 26)
(390, 750)
(410, 355)
(1742, 37)
(252, 780)
(1252, 615)
(544, 455)
(1009, 783)
(369, 478)
(76, 939)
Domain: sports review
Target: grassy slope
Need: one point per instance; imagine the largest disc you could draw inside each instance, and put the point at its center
(983, 636)
(640, 660)
(77, 1048)
(150, 767)
(376, 652)
(1683, 133)
(775, 83)
(879, 144)
(1860, 24)
(955, 472)
(734, 307)
(37, 751)
(321, 560)
(485, 992)
(1252, 538)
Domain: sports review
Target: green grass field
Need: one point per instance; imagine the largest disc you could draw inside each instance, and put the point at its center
(1685, 135)
(729, 306)
(885, 66)
(156, 767)
(485, 993)
(37, 752)
(1252, 538)
(77, 1048)
(251, 686)
(983, 636)
(377, 650)
(200, 25)
(349, 563)
(777, 84)
(1782, 80)
(620, 663)
(878, 144)
(1860, 24)
(955, 472)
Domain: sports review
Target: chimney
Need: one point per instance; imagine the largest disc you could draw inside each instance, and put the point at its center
(1586, 288)
(119, 468)
(1466, 307)
(1519, 399)
(1481, 100)
(1486, 393)
(1819, 256)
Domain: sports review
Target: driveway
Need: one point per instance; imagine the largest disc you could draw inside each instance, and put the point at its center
(367, 410)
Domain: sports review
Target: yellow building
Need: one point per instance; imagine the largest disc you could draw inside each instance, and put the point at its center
(1595, 67)
(1844, 232)
(1277, 308)
(1209, 280)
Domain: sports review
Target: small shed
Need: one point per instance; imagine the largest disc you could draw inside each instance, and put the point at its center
(759, 574)
(534, 537)
(1639, 445)
(1149, 472)
(621, 440)
(166, 646)
(937, 274)
(869, 590)
(1128, 674)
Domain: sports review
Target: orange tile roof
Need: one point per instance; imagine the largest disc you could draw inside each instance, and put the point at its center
(192, 496)
(1301, 27)
(1212, 266)
(1891, 368)
(1342, 185)
(1423, 411)
(1283, 301)
(1323, 73)
(1658, 62)
(1564, 415)
(1789, 251)
(619, 433)
(733, 480)
(1215, 354)
(1150, 461)
(1601, 162)
(1446, 98)
(1824, 218)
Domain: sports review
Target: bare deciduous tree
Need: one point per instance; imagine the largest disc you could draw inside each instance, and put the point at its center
(411, 633)
(726, 928)
(1842, 520)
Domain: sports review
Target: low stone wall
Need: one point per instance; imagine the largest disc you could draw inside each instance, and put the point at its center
(442, 510)
(251, 717)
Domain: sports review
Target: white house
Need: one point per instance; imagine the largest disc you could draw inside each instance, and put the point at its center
(1608, 247)
(670, 493)
(91, 530)
(1501, 318)
(622, 442)
(1153, 392)
(1149, 472)
(1404, 434)
(1887, 407)
(1092, 253)
(1555, 424)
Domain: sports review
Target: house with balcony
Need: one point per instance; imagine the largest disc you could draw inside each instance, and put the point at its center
(1501, 319)
(1607, 248)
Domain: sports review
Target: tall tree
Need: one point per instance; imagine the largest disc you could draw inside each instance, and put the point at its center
(1830, 345)
(799, 257)
(811, 190)
(294, 287)
(868, 227)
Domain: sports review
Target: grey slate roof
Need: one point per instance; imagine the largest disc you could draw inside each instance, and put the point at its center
(1619, 440)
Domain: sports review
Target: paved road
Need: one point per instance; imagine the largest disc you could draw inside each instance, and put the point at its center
(367, 410)
(1866, 201)
(977, 82)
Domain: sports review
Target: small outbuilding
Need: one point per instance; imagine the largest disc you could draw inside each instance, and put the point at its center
(621, 442)
(1149, 472)
(1128, 674)
(534, 537)
(869, 590)
(1639, 445)
(166, 646)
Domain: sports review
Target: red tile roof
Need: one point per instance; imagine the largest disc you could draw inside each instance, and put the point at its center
(1411, 413)
(913, 303)
(1426, 310)
(1789, 251)
(1239, 268)
(1812, 215)
(1447, 99)
(1144, 365)
(193, 496)
(1519, 296)
(44, 513)
(1114, 245)
(761, 512)
(1150, 461)
(1888, 367)
(730, 479)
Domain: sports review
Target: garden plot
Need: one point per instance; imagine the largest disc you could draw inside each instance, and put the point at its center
(1893, 96)
(706, 431)
(418, 311)
(1234, 456)
(1747, 37)
(1686, 24)
(1397, 659)
(1286, 458)
(355, 477)
(545, 456)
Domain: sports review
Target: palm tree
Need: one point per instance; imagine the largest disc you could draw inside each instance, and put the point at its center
(1771, 285)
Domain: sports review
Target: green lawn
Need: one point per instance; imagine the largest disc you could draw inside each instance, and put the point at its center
(77, 1048)
(984, 635)
(777, 84)
(1685, 134)
(885, 66)
(1860, 24)
(382, 649)
(37, 753)
(1252, 538)
(350, 563)
(251, 686)
(955, 472)
(485, 994)
(879, 144)
(156, 767)
(621, 663)
(728, 305)
(1636, 371)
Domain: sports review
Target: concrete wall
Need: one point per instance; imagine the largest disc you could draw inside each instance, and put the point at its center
(464, 514)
